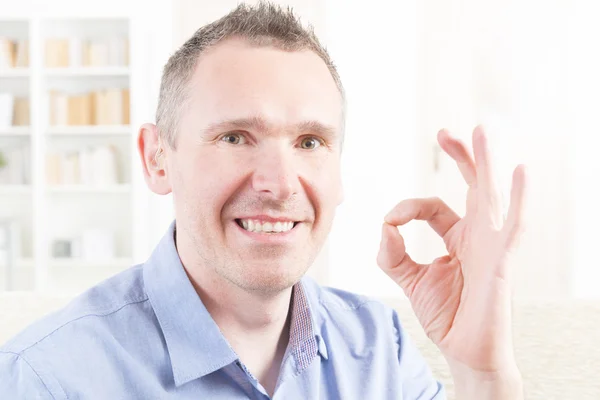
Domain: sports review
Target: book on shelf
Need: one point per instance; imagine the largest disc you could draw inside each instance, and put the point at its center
(14, 165)
(14, 110)
(57, 53)
(21, 112)
(102, 107)
(6, 53)
(92, 166)
(78, 52)
(14, 53)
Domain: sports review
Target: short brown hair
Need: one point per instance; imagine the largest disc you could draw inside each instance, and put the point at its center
(265, 24)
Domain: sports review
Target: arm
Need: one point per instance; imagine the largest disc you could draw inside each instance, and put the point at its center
(19, 381)
(503, 385)
(414, 369)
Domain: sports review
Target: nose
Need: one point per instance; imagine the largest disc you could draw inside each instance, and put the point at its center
(275, 173)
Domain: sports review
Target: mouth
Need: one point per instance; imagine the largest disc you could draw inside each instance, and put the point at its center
(266, 227)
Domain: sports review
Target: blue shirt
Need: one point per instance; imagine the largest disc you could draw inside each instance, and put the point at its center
(145, 334)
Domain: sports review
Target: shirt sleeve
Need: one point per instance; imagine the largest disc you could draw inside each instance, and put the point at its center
(19, 381)
(419, 383)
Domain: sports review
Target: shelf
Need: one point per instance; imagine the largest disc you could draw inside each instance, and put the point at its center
(111, 189)
(77, 72)
(15, 189)
(15, 131)
(68, 263)
(14, 73)
(120, 262)
(43, 204)
(91, 130)
(22, 263)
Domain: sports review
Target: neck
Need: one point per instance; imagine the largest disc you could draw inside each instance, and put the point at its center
(237, 311)
(256, 325)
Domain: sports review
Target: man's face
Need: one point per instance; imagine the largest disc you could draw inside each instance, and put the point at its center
(258, 151)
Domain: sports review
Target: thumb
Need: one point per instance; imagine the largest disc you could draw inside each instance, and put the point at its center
(394, 260)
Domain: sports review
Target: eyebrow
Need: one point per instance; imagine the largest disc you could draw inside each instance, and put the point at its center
(258, 123)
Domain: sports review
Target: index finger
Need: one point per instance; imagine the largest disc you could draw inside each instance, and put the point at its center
(433, 210)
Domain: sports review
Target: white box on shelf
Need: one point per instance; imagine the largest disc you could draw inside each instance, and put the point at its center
(7, 105)
(15, 170)
(104, 159)
(75, 51)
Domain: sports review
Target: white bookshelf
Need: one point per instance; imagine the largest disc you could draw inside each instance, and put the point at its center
(14, 73)
(86, 72)
(90, 130)
(7, 190)
(90, 189)
(49, 212)
(67, 263)
(15, 131)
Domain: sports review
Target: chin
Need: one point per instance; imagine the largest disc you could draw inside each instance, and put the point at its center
(267, 280)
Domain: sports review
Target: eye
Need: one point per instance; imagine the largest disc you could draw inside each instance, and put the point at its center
(310, 143)
(233, 138)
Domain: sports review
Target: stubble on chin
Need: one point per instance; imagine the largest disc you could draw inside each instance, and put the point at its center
(265, 278)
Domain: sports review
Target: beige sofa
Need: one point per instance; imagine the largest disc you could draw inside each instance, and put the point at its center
(556, 344)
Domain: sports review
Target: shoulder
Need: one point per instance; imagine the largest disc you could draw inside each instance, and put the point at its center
(20, 380)
(362, 329)
(339, 300)
(344, 308)
(94, 306)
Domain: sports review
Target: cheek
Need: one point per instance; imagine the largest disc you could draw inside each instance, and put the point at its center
(204, 183)
(327, 186)
(332, 179)
(217, 180)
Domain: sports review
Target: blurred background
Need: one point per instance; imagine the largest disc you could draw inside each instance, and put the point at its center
(78, 78)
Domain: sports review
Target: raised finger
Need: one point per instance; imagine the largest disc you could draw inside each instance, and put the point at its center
(514, 220)
(483, 159)
(456, 149)
(489, 199)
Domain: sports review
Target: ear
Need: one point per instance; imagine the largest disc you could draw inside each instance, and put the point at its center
(153, 155)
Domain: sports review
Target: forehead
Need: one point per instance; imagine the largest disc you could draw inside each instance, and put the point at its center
(236, 80)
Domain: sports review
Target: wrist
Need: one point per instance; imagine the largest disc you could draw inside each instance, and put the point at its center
(503, 383)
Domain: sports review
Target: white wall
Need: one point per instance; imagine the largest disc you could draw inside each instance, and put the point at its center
(583, 107)
(527, 71)
(376, 55)
(503, 65)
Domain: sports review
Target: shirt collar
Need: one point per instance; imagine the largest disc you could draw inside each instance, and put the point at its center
(195, 343)
(305, 329)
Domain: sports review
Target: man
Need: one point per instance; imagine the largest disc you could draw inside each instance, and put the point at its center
(248, 138)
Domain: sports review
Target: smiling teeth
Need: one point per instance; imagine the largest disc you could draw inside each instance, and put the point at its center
(266, 227)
